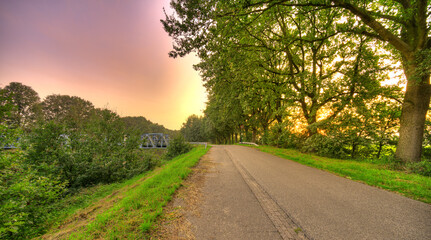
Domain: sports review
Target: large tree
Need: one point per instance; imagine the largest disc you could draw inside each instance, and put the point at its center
(194, 129)
(400, 26)
(24, 101)
(70, 110)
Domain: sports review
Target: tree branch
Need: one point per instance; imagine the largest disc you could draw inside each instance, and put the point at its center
(384, 33)
(388, 17)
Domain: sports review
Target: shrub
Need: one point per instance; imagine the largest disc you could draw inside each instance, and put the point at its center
(177, 146)
(49, 150)
(25, 195)
(325, 146)
(280, 135)
(100, 152)
(422, 167)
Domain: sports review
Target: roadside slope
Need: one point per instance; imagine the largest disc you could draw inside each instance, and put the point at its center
(129, 212)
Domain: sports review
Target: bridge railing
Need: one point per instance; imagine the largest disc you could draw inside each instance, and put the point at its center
(249, 143)
(199, 143)
(154, 140)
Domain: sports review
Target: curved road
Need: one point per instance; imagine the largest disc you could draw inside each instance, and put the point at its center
(254, 195)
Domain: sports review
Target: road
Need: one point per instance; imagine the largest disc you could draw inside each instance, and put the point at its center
(254, 195)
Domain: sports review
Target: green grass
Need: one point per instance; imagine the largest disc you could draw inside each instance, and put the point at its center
(137, 208)
(375, 174)
(84, 198)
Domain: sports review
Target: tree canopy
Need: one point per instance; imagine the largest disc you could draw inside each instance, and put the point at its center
(24, 101)
(314, 59)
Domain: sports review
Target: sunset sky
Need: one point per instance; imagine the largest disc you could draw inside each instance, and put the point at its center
(113, 53)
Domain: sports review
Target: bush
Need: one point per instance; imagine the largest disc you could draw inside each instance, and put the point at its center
(422, 167)
(177, 146)
(325, 146)
(280, 135)
(426, 152)
(25, 196)
(49, 150)
(55, 159)
(100, 152)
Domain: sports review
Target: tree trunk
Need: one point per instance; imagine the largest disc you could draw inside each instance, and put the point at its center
(380, 149)
(311, 129)
(352, 155)
(413, 115)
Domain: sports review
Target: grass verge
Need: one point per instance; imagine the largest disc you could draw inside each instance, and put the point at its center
(133, 211)
(408, 184)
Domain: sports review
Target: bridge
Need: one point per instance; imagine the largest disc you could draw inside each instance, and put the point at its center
(149, 140)
(154, 140)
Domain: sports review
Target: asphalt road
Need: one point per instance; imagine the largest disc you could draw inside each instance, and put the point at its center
(254, 195)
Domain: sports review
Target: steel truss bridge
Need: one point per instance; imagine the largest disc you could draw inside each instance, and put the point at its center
(154, 140)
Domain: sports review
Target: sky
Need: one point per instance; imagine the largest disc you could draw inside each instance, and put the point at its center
(113, 53)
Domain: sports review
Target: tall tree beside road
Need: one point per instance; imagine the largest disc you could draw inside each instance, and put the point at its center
(194, 129)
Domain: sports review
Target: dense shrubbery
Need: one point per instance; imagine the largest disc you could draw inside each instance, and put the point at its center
(57, 159)
(422, 167)
(280, 135)
(65, 144)
(99, 153)
(25, 193)
(177, 146)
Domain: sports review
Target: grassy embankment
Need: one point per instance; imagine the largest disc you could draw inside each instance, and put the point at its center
(375, 174)
(128, 210)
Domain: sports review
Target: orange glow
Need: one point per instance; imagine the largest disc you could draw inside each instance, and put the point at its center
(112, 53)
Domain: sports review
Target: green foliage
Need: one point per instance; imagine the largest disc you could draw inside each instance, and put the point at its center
(324, 146)
(49, 149)
(195, 129)
(280, 135)
(262, 61)
(100, 152)
(6, 106)
(133, 215)
(24, 101)
(69, 110)
(26, 195)
(72, 145)
(142, 125)
(427, 136)
(367, 129)
(422, 167)
(177, 146)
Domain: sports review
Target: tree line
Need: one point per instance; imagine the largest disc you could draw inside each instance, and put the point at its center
(312, 74)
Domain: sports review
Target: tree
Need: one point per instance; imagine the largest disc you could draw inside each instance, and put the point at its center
(401, 26)
(5, 106)
(194, 129)
(25, 195)
(141, 125)
(24, 101)
(71, 110)
(266, 68)
(413, 44)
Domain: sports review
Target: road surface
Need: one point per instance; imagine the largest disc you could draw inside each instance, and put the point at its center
(254, 195)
